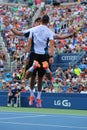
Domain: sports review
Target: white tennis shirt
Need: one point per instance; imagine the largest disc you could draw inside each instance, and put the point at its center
(41, 36)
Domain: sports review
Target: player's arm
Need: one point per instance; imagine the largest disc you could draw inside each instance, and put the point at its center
(51, 44)
(29, 45)
(15, 31)
(57, 36)
(27, 71)
(19, 33)
(51, 48)
(8, 26)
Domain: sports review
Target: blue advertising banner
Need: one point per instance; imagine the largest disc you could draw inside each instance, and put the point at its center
(58, 100)
(3, 98)
(66, 58)
(52, 100)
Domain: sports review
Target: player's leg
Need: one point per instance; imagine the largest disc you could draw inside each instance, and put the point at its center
(33, 64)
(32, 97)
(9, 100)
(15, 101)
(39, 100)
(41, 73)
(47, 69)
(32, 68)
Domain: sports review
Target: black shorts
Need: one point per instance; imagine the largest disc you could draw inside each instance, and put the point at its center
(40, 58)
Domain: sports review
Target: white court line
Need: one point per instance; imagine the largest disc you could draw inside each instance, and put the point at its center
(43, 125)
(70, 116)
(21, 117)
(51, 115)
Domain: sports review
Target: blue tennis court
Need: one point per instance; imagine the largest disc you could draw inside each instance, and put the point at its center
(40, 121)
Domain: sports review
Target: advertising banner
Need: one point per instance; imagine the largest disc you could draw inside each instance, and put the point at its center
(65, 58)
(51, 100)
(59, 100)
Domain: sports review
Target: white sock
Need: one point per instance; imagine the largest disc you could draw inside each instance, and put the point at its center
(48, 70)
(31, 93)
(31, 69)
(39, 95)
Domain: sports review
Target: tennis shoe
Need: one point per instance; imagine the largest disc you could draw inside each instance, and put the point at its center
(39, 103)
(9, 105)
(15, 105)
(31, 100)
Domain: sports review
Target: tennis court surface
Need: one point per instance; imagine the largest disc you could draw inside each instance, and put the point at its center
(41, 119)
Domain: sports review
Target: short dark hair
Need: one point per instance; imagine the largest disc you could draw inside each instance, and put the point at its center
(45, 19)
(37, 19)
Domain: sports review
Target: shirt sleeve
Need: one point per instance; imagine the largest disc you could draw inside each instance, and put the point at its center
(26, 31)
(31, 33)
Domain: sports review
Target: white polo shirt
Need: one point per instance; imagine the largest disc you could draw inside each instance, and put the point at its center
(41, 36)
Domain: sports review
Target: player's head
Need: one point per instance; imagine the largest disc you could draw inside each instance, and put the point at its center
(37, 21)
(45, 19)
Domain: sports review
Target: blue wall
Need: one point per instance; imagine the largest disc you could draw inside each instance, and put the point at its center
(53, 100)
(3, 98)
